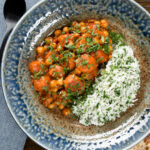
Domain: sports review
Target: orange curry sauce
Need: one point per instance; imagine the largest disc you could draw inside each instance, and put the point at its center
(67, 60)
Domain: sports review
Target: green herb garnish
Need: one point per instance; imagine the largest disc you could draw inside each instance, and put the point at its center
(106, 48)
(70, 46)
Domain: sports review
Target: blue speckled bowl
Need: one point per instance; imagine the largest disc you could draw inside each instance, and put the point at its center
(48, 128)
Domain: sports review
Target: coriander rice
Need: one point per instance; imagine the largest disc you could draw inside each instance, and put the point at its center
(114, 91)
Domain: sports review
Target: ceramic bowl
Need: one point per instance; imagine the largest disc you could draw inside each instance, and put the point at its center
(49, 128)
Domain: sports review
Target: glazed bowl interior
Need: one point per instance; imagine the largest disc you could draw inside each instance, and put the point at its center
(67, 126)
(43, 21)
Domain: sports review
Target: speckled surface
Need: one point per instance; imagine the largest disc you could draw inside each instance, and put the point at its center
(8, 125)
(39, 123)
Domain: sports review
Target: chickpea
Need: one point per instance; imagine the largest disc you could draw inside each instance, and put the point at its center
(110, 56)
(75, 35)
(105, 33)
(35, 66)
(58, 101)
(70, 42)
(99, 32)
(49, 54)
(71, 63)
(83, 29)
(91, 21)
(61, 106)
(100, 56)
(51, 106)
(53, 83)
(48, 40)
(86, 35)
(54, 45)
(110, 48)
(77, 71)
(45, 47)
(54, 89)
(54, 95)
(47, 101)
(66, 111)
(40, 50)
(104, 23)
(85, 76)
(82, 24)
(62, 94)
(57, 32)
(102, 41)
(97, 22)
(110, 41)
(60, 82)
(74, 23)
(66, 29)
(82, 41)
(62, 38)
(40, 59)
(55, 39)
(48, 61)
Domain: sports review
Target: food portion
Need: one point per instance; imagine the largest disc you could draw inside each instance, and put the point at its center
(85, 68)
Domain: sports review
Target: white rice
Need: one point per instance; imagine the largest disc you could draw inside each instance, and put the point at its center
(114, 91)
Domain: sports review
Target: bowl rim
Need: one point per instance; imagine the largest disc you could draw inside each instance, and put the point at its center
(2, 73)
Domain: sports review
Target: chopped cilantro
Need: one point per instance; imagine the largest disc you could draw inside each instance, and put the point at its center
(93, 48)
(105, 95)
(98, 26)
(45, 88)
(43, 66)
(84, 62)
(106, 48)
(79, 51)
(66, 70)
(54, 58)
(46, 42)
(63, 32)
(66, 39)
(93, 33)
(106, 40)
(116, 37)
(70, 46)
(76, 31)
(67, 54)
(88, 39)
(103, 39)
(77, 40)
(50, 48)
(117, 92)
(37, 75)
(99, 59)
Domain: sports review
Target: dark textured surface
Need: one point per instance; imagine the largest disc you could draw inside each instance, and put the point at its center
(11, 136)
(30, 145)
